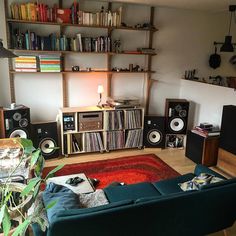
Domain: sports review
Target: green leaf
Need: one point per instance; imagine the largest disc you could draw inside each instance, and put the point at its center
(8, 196)
(50, 174)
(2, 211)
(51, 204)
(39, 166)
(6, 223)
(21, 228)
(27, 145)
(36, 189)
(35, 157)
(30, 186)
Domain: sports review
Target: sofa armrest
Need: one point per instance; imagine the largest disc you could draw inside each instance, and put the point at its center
(203, 169)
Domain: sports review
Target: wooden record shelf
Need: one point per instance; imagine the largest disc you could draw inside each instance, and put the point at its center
(79, 25)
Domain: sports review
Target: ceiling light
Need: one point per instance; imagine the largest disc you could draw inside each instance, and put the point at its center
(227, 45)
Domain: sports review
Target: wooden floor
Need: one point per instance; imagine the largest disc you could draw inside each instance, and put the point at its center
(174, 158)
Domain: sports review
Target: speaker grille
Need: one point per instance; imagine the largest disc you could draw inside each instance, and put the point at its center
(154, 131)
(45, 137)
(176, 112)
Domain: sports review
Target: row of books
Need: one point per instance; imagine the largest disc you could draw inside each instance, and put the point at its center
(50, 63)
(114, 120)
(31, 41)
(206, 132)
(34, 11)
(133, 119)
(102, 18)
(26, 63)
(115, 140)
(134, 138)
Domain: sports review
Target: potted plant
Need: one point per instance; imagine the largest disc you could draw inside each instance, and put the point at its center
(12, 206)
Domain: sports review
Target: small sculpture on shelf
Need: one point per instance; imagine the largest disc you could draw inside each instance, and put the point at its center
(117, 46)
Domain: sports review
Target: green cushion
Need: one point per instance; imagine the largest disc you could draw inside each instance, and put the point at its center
(132, 191)
(170, 186)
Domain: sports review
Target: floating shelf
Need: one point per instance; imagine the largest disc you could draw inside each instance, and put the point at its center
(82, 72)
(209, 83)
(79, 25)
(68, 52)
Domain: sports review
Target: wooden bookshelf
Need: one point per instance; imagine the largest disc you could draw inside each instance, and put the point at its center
(79, 25)
(11, 23)
(19, 51)
(83, 72)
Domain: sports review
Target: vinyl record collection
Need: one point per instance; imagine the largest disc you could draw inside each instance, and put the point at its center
(114, 120)
(134, 138)
(133, 119)
(115, 140)
(92, 142)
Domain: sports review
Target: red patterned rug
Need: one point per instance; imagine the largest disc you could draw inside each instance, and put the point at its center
(132, 169)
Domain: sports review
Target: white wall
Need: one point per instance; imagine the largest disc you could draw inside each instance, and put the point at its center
(184, 41)
(4, 81)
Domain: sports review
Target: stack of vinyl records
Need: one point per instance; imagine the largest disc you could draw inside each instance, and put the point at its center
(50, 63)
(133, 119)
(134, 138)
(26, 63)
(114, 120)
(115, 140)
(93, 142)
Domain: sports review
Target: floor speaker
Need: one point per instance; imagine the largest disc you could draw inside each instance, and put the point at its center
(15, 122)
(228, 129)
(154, 131)
(176, 112)
(45, 136)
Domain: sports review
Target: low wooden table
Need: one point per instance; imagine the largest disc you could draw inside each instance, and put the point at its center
(83, 187)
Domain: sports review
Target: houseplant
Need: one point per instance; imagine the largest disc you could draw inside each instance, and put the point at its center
(9, 208)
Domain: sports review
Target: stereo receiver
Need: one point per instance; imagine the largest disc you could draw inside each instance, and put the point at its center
(68, 122)
(90, 121)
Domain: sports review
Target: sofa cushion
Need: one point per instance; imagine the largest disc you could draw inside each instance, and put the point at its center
(80, 211)
(132, 191)
(64, 197)
(203, 169)
(218, 184)
(169, 186)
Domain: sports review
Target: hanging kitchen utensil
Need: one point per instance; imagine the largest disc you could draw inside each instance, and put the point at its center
(215, 60)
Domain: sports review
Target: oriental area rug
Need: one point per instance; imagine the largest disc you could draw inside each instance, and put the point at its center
(130, 169)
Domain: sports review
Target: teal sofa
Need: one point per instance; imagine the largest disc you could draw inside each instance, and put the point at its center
(152, 209)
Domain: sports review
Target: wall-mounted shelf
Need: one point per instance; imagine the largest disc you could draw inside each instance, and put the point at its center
(148, 32)
(79, 25)
(202, 82)
(83, 72)
(68, 52)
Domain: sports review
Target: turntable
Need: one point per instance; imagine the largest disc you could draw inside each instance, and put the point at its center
(123, 102)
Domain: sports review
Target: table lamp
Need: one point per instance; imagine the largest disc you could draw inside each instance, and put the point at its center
(100, 91)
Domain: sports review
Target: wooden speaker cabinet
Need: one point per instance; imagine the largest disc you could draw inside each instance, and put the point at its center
(202, 150)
